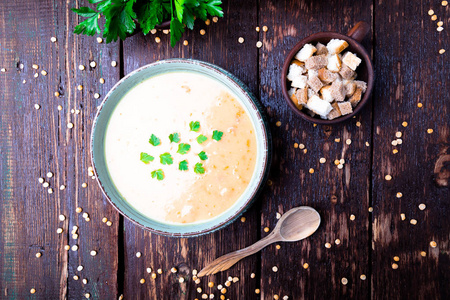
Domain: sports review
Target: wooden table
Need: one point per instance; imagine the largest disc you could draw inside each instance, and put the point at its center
(361, 210)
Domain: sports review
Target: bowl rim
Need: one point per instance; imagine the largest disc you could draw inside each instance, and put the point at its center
(267, 143)
(357, 47)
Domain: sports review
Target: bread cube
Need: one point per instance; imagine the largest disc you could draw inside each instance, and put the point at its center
(316, 62)
(311, 93)
(335, 112)
(302, 96)
(334, 63)
(327, 76)
(356, 97)
(319, 106)
(298, 63)
(321, 49)
(315, 84)
(326, 93)
(312, 73)
(336, 46)
(362, 85)
(338, 90)
(291, 91)
(294, 71)
(299, 81)
(351, 60)
(350, 88)
(295, 101)
(306, 52)
(345, 108)
(347, 73)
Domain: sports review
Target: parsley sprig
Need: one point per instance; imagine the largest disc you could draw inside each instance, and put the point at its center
(124, 17)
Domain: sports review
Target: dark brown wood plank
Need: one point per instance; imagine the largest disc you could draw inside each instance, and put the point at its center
(219, 46)
(411, 71)
(34, 142)
(336, 194)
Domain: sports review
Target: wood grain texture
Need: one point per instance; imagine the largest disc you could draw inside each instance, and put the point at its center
(336, 194)
(34, 142)
(399, 89)
(188, 254)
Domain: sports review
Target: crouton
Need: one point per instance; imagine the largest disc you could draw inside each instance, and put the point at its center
(291, 91)
(299, 81)
(335, 112)
(316, 62)
(315, 84)
(306, 52)
(345, 108)
(346, 72)
(311, 93)
(312, 73)
(336, 46)
(351, 60)
(327, 76)
(294, 71)
(321, 49)
(302, 96)
(362, 85)
(338, 90)
(298, 63)
(350, 88)
(295, 101)
(356, 97)
(334, 63)
(326, 93)
(319, 106)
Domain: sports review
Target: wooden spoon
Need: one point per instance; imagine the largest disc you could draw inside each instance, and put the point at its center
(295, 225)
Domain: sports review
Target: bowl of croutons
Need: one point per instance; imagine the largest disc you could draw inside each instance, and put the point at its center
(328, 77)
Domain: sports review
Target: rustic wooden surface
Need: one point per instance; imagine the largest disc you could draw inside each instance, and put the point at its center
(409, 70)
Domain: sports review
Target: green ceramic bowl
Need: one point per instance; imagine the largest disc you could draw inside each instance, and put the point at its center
(251, 105)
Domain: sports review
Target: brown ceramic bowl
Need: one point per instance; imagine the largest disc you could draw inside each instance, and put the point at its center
(364, 71)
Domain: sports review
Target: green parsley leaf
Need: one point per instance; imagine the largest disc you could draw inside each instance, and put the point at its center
(90, 25)
(158, 174)
(166, 158)
(176, 30)
(85, 12)
(194, 126)
(179, 9)
(217, 135)
(154, 141)
(199, 168)
(183, 148)
(146, 158)
(149, 14)
(203, 155)
(119, 18)
(174, 138)
(201, 138)
(183, 165)
(208, 6)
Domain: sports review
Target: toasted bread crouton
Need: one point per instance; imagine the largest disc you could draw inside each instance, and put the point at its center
(298, 63)
(295, 101)
(338, 90)
(362, 85)
(299, 81)
(306, 52)
(316, 62)
(345, 108)
(291, 91)
(302, 96)
(336, 46)
(294, 71)
(311, 93)
(319, 106)
(350, 88)
(312, 73)
(356, 97)
(315, 84)
(327, 76)
(326, 93)
(346, 72)
(351, 60)
(321, 49)
(334, 63)
(335, 112)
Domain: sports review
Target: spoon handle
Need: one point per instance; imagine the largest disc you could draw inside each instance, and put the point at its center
(226, 261)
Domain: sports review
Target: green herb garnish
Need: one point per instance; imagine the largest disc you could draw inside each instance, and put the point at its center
(154, 140)
(199, 168)
(158, 174)
(201, 138)
(122, 18)
(203, 155)
(146, 158)
(183, 148)
(194, 126)
(183, 165)
(217, 135)
(174, 138)
(166, 158)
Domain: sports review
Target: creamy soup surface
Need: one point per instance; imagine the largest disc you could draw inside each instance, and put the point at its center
(166, 104)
